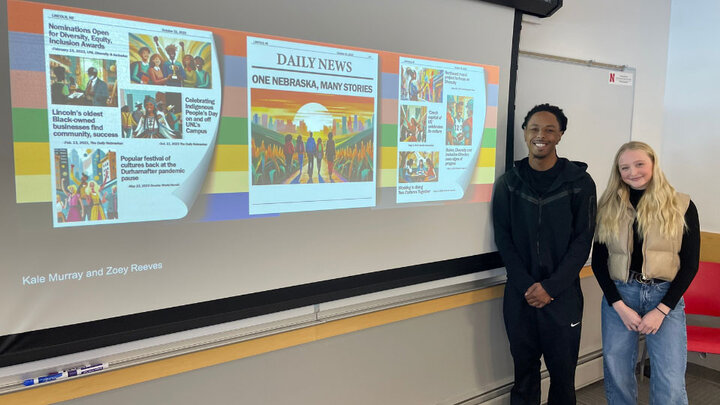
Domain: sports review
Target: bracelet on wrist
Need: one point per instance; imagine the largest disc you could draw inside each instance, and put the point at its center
(661, 311)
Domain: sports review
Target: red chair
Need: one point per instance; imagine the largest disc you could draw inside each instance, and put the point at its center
(703, 298)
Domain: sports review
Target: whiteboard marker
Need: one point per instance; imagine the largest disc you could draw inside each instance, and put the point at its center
(87, 369)
(44, 379)
(64, 374)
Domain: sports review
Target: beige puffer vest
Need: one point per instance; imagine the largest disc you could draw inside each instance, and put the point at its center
(660, 254)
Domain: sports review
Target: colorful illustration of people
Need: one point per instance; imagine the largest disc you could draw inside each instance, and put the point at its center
(353, 163)
(139, 70)
(300, 149)
(411, 90)
(299, 161)
(418, 167)
(94, 85)
(59, 89)
(319, 154)
(459, 120)
(171, 65)
(203, 77)
(430, 174)
(330, 156)
(468, 123)
(413, 124)
(173, 118)
(73, 204)
(431, 85)
(96, 90)
(153, 122)
(128, 121)
(288, 151)
(310, 150)
(111, 198)
(85, 200)
(137, 113)
(172, 69)
(420, 84)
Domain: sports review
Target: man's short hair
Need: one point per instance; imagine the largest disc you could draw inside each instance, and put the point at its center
(555, 110)
(59, 72)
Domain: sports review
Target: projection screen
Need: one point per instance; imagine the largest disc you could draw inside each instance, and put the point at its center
(239, 158)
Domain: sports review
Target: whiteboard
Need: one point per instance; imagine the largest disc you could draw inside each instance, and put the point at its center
(599, 113)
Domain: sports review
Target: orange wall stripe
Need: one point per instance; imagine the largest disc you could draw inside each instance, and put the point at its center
(94, 384)
(710, 247)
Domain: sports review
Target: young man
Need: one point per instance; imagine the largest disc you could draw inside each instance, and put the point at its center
(96, 90)
(139, 69)
(310, 151)
(544, 218)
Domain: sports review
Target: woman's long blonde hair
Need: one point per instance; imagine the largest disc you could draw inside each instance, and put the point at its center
(91, 189)
(657, 207)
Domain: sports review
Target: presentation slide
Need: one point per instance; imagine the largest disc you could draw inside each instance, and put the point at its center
(135, 110)
(158, 164)
(441, 117)
(310, 105)
(133, 117)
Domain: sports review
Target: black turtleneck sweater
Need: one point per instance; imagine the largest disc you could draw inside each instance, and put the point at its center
(689, 258)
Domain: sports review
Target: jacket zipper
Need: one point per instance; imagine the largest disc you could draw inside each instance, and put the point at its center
(537, 236)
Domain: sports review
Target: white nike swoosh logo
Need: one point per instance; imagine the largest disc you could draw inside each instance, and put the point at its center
(572, 325)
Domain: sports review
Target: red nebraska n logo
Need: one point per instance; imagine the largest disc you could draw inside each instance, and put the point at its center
(612, 77)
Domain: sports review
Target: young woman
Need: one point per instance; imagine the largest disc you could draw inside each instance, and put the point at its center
(155, 72)
(203, 77)
(152, 124)
(300, 149)
(319, 154)
(73, 202)
(93, 191)
(128, 122)
(420, 172)
(430, 174)
(288, 151)
(330, 155)
(646, 253)
(191, 77)
(59, 207)
(59, 90)
(139, 70)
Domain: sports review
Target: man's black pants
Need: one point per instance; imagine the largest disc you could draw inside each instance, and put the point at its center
(553, 332)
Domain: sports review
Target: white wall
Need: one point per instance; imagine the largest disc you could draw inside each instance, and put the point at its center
(691, 137)
(632, 33)
(450, 357)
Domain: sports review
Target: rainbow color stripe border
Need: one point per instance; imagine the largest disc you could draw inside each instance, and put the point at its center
(225, 192)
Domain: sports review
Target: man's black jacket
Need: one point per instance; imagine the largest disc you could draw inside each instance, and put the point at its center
(545, 238)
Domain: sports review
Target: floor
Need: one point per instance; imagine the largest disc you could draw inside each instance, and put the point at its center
(702, 384)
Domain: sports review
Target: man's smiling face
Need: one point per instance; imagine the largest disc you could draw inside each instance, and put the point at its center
(542, 134)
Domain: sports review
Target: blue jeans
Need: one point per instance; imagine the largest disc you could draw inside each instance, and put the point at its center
(667, 348)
